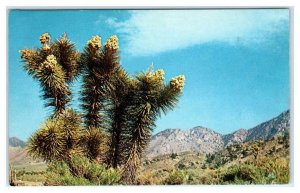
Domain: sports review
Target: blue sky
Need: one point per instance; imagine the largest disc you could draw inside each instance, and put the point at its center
(236, 62)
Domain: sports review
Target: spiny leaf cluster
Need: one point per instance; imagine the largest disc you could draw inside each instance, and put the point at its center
(55, 65)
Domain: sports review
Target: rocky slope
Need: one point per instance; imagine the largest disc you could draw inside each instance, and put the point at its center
(238, 136)
(17, 153)
(204, 140)
(276, 126)
(16, 142)
(198, 139)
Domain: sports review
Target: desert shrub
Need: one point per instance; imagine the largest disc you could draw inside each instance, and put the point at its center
(173, 155)
(277, 170)
(208, 180)
(105, 176)
(55, 172)
(217, 160)
(209, 177)
(81, 171)
(210, 158)
(74, 181)
(149, 178)
(220, 161)
(272, 172)
(79, 166)
(182, 166)
(241, 174)
(176, 178)
(191, 178)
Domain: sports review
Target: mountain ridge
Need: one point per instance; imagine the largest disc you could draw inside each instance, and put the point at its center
(201, 139)
(204, 140)
(16, 142)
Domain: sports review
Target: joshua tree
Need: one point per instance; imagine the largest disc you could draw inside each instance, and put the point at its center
(119, 110)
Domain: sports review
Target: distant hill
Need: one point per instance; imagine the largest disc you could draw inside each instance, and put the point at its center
(204, 140)
(18, 154)
(16, 142)
(198, 139)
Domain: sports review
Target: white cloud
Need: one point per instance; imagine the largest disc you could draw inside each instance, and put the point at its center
(149, 32)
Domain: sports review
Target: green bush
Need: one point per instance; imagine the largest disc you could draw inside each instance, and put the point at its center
(277, 170)
(241, 174)
(81, 171)
(176, 178)
(173, 155)
(73, 181)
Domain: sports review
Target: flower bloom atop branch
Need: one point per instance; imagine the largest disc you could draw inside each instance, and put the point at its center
(112, 43)
(50, 61)
(177, 83)
(44, 38)
(95, 42)
(159, 75)
(26, 53)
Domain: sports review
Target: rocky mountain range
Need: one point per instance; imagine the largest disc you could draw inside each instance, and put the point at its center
(204, 140)
(198, 139)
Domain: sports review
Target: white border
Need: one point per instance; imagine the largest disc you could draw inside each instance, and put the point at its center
(96, 4)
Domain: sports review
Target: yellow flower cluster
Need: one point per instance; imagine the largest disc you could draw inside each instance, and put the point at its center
(112, 43)
(26, 53)
(46, 48)
(95, 42)
(177, 83)
(50, 61)
(44, 38)
(157, 76)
